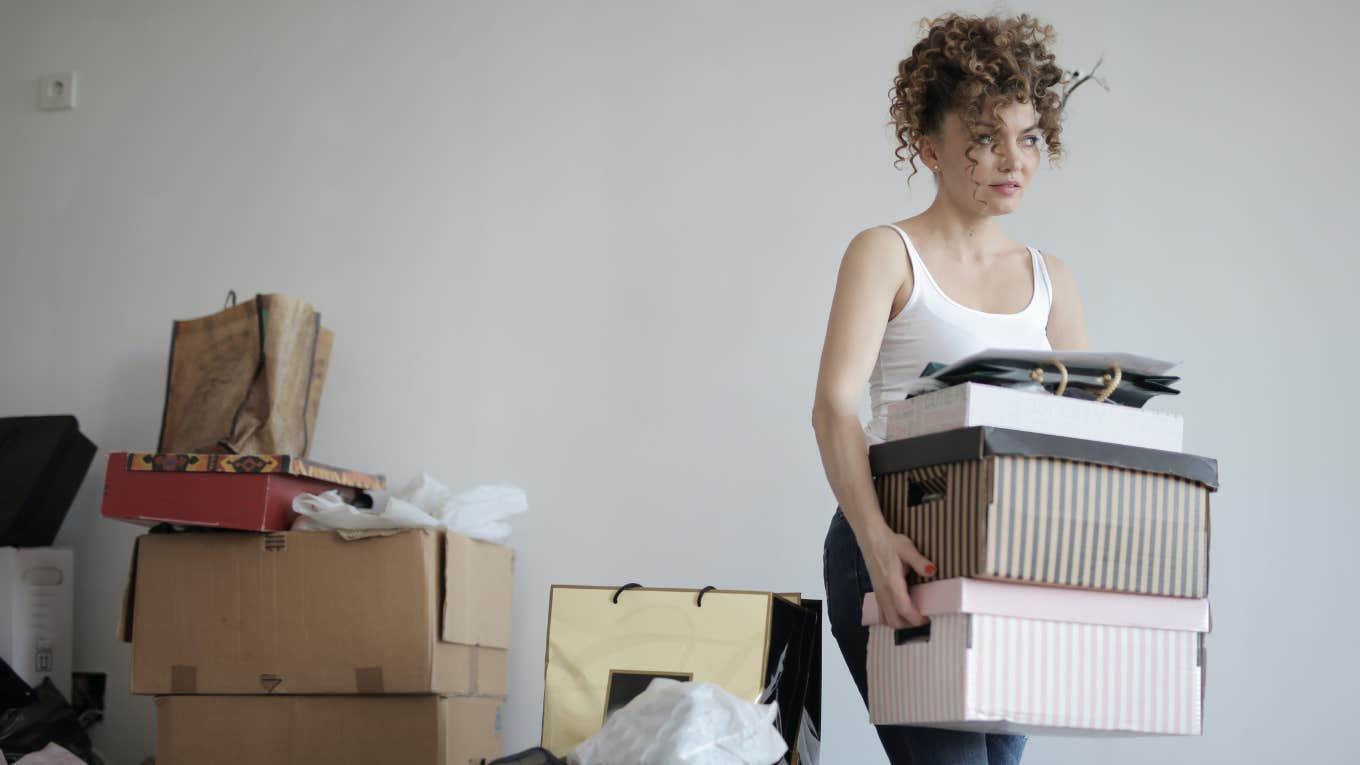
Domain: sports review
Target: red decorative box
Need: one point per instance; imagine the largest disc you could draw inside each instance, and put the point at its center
(251, 492)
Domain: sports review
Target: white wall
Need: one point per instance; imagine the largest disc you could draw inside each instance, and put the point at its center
(589, 248)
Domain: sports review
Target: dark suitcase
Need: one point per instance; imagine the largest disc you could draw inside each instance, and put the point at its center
(43, 461)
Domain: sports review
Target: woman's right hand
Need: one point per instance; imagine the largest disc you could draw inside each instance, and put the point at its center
(886, 556)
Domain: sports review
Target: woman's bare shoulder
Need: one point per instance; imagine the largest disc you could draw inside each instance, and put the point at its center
(1059, 272)
(1067, 316)
(877, 249)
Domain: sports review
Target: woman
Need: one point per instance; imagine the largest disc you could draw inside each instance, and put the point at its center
(975, 102)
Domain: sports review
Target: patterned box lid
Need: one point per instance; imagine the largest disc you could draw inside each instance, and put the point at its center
(253, 463)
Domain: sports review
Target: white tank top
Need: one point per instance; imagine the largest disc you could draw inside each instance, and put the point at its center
(932, 327)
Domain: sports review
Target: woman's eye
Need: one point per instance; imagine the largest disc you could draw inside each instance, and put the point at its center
(1031, 140)
(985, 140)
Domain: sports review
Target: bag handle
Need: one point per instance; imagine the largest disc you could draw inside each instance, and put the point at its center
(909, 634)
(225, 443)
(1111, 379)
(619, 591)
(1037, 375)
(698, 600)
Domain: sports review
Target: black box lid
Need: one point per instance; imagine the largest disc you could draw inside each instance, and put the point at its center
(981, 442)
(43, 461)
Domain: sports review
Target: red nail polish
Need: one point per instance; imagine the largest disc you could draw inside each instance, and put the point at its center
(930, 569)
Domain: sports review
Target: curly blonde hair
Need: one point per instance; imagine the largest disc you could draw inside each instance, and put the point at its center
(966, 62)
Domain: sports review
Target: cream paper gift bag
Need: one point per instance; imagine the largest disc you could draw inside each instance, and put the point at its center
(606, 644)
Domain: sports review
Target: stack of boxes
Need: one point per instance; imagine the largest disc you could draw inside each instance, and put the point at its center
(274, 646)
(1071, 548)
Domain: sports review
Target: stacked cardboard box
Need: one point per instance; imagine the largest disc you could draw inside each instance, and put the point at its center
(302, 647)
(1072, 573)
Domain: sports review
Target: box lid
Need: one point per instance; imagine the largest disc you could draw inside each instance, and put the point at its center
(1058, 604)
(981, 442)
(284, 464)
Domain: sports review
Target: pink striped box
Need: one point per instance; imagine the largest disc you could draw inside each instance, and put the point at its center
(1017, 658)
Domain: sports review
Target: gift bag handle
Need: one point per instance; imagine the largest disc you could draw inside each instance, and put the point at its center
(1037, 375)
(619, 591)
(698, 600)
(1111, 378)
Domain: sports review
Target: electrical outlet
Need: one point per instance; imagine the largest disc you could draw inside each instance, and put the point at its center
(57, 91)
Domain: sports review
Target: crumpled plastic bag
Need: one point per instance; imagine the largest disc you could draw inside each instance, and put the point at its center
(675, 723)
(320, 512)
(480, 513)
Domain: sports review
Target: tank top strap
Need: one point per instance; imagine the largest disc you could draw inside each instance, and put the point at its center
(906, 241)
(1043, 284)
(919, 272)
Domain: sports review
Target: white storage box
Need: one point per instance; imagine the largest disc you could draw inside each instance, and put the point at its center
(36, 609)
(972, 404)
(1015, 658)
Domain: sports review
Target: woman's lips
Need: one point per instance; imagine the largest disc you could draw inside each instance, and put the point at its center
(1006, 188)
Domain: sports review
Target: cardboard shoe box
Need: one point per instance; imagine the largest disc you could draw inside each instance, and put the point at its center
(413, 611)
(1028, 659)
(250, 492)
(336, 730)
(1028, 507)
(37, 604)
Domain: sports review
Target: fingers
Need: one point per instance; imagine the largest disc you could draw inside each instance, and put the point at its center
(885, 559)
(906, 550)
(904, 611)
(887, 610)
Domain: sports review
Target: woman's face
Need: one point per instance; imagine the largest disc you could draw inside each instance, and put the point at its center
(1007, 155)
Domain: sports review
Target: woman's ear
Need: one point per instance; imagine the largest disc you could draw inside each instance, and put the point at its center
(928, 153)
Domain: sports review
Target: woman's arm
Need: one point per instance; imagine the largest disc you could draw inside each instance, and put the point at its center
(1067, 318)
(872, 272)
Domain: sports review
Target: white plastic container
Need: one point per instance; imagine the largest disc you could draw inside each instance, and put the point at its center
(37, 603)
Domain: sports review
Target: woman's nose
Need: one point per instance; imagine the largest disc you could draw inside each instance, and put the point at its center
(1010, 157)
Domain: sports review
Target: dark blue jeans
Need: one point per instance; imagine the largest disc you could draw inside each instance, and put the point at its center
(847, 581)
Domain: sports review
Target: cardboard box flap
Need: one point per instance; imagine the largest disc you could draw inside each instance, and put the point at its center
(1056, 604)
(477, 585)
(981, 442)
(251, 463)
(129, 597)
